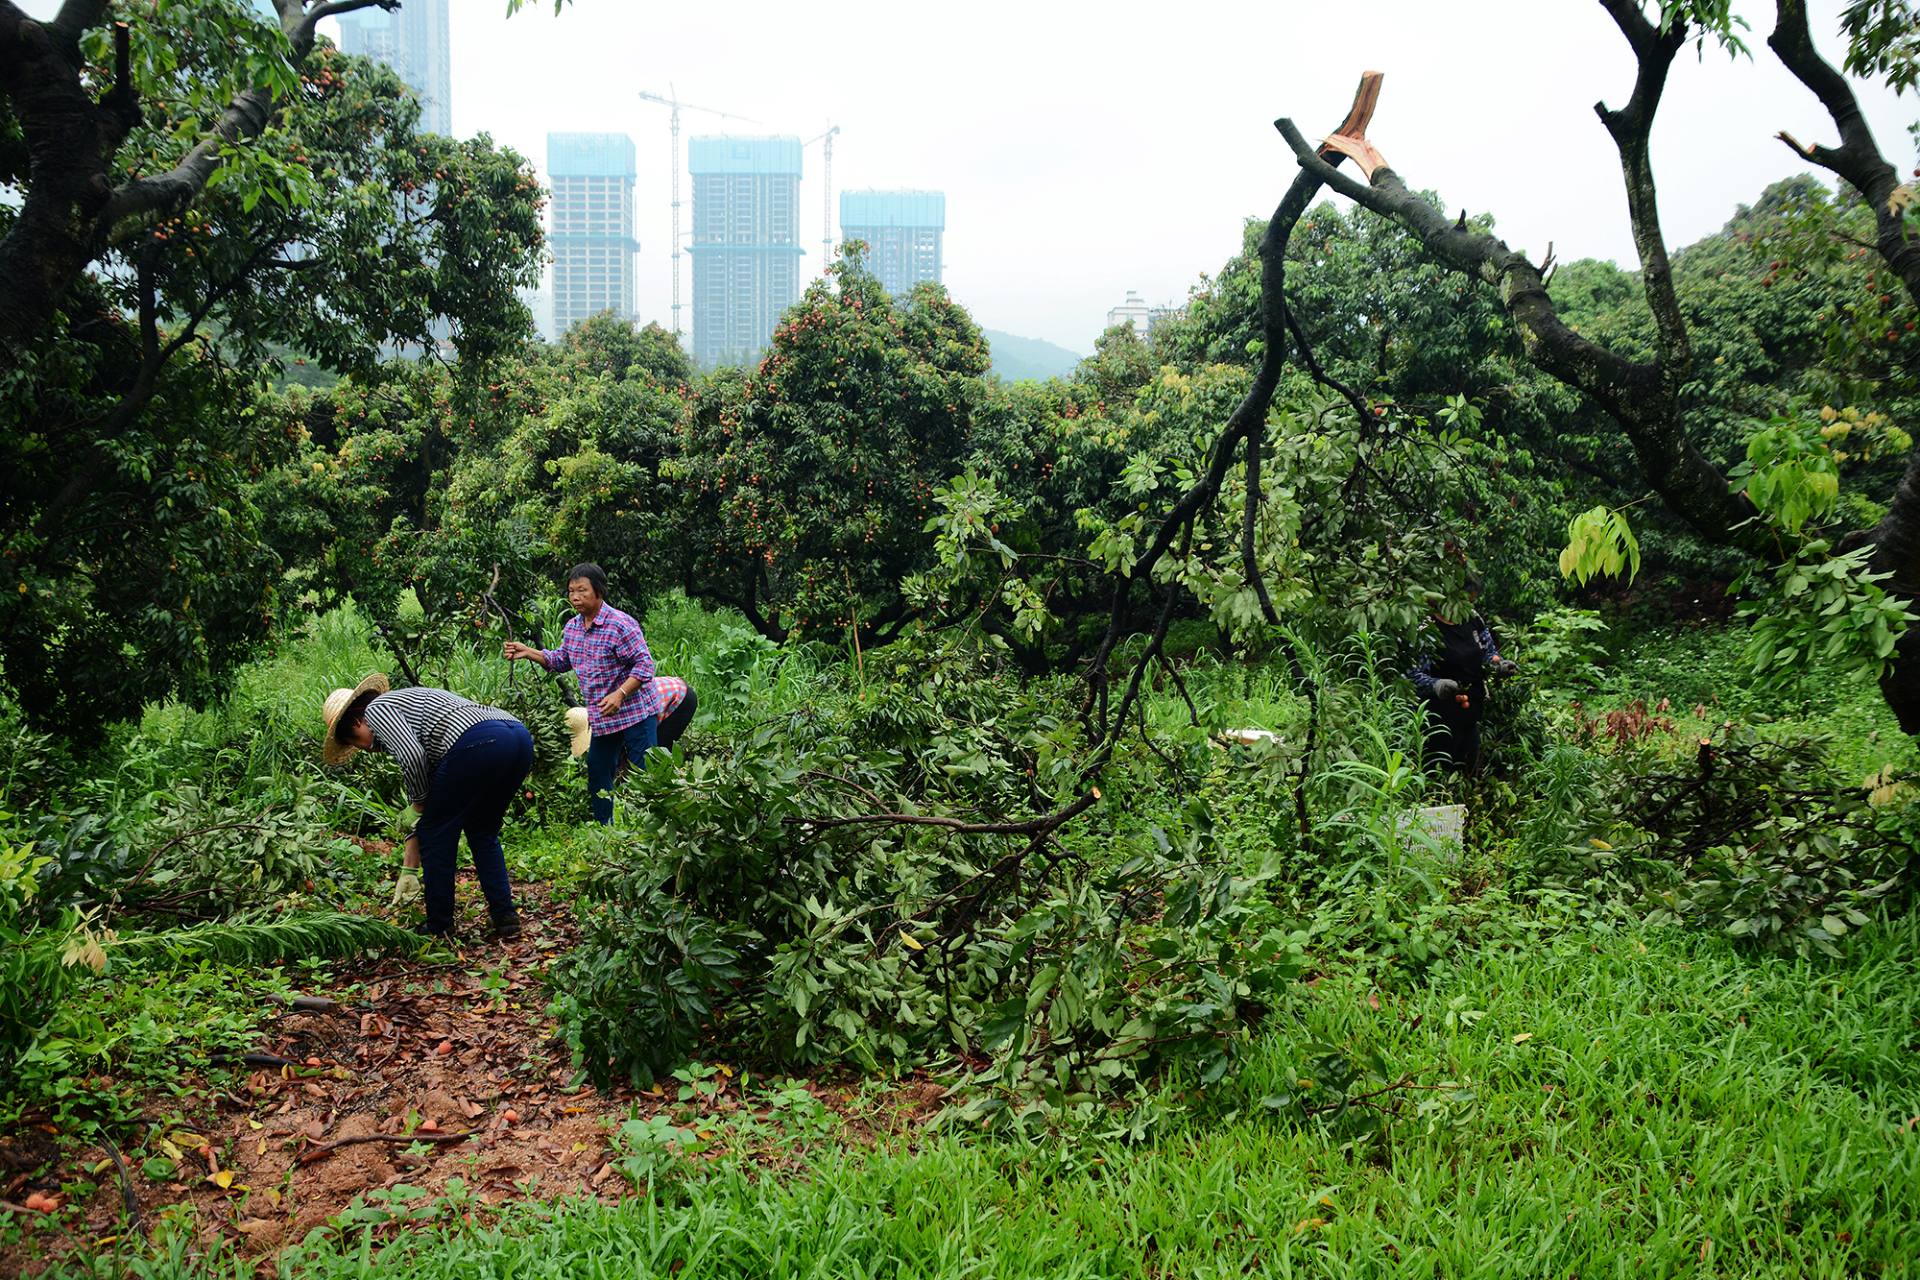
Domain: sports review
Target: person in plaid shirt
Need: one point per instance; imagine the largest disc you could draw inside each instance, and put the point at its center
(608, 654)
(676, 708)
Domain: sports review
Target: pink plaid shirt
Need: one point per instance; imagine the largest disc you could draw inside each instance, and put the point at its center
(673, 691)
(603, 656)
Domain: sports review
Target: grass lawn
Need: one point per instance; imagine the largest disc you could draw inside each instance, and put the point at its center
(1643, 1103)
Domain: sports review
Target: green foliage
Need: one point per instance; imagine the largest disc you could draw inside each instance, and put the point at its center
(1600, 542)
(1592, 1059)
(1563, 648)
(1822, 605)
(757, 905)
(115, 1046)
(1789, 474)
(810, 477)
(1758, 839)
(1883, 39)
(139, 559)
(262, 941)
(1825, 609)
(164, 999)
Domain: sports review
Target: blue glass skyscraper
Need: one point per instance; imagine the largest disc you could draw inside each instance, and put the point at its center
(592, 233)
(903, 231)
(746, 243)
(414, 42)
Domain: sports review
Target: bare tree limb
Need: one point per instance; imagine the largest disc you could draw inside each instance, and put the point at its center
(1857, 159)
(1859, 162)
(1040, 826)
(1632, 128)
(1634, 394)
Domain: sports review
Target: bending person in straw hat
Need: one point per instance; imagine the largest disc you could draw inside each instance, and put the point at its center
(461, 763)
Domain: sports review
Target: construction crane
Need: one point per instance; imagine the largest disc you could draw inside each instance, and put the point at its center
(826, 198)
(672, 101)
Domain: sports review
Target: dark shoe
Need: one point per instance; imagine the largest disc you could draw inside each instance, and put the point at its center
(439, 933)
(508, 927)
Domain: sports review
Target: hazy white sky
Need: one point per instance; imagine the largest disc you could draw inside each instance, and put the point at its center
(1087, 149)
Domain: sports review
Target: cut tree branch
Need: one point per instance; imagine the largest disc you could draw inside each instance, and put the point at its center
(1634, 394)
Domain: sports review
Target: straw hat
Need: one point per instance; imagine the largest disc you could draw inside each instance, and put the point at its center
(579, 729)
(334, 710)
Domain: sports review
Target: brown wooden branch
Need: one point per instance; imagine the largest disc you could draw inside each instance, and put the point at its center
(1350, 139)
(1039, 826)
(1631, 128)
(1359, 150)
(1253, 407)
(1635, 395)
(1859, 162)
(1858, 159)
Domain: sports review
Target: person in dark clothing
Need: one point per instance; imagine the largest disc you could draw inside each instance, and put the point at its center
(1452, 682)
(461, 762)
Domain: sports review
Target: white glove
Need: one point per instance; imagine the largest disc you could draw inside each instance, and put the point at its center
(406, 887)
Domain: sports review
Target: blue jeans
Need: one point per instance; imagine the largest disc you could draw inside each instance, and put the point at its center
(603, 757)
(470, 791)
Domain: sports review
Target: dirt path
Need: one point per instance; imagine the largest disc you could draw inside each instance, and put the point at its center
(417, 1074)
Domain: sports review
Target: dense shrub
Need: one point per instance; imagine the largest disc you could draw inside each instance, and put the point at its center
(754, 902)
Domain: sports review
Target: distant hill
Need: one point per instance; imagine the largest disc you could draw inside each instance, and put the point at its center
(1015, 357)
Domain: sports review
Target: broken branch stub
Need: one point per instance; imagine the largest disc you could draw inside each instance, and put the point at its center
(1350, 139)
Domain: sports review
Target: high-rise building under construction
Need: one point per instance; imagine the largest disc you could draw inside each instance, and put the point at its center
(746, 243)
(902, 230)
(413, 41)
(592, 236)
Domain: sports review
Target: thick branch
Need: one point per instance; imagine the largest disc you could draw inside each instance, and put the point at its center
(71, 209)
(72, 22)
(1859, 162)
(1857, 159)
(1249, 561)
(1631, 128)
(1633, 394)
(1039, 826)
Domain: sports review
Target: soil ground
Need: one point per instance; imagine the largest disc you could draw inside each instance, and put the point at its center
(418, 1073)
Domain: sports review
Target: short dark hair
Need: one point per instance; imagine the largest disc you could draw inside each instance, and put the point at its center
(596, 577)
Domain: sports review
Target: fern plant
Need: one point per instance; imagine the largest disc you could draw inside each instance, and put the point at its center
(40, 967)
(259, 940)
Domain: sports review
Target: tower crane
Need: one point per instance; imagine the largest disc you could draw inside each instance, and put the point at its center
(671, 100)
(826, 199)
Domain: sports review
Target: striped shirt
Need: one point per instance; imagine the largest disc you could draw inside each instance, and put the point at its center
(418, 727)
(603, 656)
